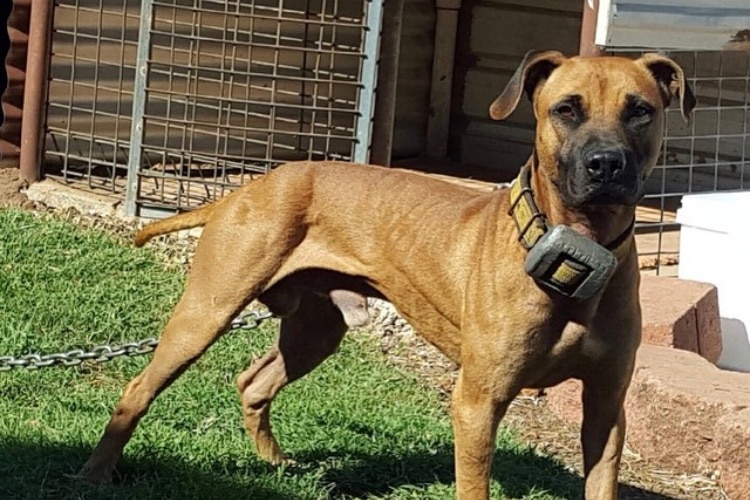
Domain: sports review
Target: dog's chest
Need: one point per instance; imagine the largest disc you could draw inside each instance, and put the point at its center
(558, 344)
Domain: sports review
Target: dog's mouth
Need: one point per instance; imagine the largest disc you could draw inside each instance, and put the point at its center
(605, 194)
(578, 188)
(599, 168)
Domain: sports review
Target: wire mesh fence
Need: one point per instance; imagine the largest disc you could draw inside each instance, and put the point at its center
(92, 70)
(198, 96)
(169, 103)
(710, 153)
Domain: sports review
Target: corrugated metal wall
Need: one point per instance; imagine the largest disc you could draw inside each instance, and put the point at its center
(493, 37)
(12, 81)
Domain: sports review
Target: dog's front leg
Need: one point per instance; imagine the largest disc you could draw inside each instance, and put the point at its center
(602, 435)
(476, 415)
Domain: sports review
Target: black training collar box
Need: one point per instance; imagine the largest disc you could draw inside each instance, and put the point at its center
(570, 263)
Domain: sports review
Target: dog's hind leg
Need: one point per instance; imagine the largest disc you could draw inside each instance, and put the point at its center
(307, 337)
(210, 300)
(194, 326)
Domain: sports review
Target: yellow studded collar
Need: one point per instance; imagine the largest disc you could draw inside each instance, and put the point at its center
(559, 257)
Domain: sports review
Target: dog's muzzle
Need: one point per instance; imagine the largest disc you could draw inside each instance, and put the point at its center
(601, 176)
(558, 257)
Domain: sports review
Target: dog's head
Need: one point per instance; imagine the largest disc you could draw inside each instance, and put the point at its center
(599, 120)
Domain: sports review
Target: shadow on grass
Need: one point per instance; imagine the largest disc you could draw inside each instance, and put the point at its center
(43, 471)
(520, 472)
(29, 471)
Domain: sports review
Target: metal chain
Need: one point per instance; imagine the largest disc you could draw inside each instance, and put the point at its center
(250, 320)
(103, 353)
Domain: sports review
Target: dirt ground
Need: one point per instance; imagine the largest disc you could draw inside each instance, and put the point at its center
(10, 188)
(534, 422)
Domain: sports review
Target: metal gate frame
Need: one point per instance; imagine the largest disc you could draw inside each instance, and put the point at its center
(365, 109)
(326, 48)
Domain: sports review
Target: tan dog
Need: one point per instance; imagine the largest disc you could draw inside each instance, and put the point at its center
(311, 240)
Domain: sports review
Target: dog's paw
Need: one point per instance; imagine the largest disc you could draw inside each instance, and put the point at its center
(90, 476)
(289, 462)
(280, 460)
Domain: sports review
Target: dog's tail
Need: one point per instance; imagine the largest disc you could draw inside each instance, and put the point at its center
(187, 220)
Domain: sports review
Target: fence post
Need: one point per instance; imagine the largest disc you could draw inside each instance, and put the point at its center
(369, 80)
(385, 105)
(441, 84)
(35, 92)
(139, 106)
(587, 47)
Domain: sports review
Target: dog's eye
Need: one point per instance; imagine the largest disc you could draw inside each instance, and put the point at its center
(565, 111)
(641, 112)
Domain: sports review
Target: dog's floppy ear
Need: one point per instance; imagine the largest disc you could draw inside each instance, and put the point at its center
(535, 67)
(671, 80)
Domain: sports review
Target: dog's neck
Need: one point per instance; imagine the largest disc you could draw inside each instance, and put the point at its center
(605, 224)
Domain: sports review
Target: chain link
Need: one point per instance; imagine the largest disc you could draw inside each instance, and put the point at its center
(103, 353)
(250, 320)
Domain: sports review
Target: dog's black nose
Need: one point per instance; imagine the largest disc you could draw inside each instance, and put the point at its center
(605, 165)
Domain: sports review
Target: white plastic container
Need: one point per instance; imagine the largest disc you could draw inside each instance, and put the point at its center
(715, 248)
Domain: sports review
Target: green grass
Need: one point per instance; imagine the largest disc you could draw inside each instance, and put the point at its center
(358, 427)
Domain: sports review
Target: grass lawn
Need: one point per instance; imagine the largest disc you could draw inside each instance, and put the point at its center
(358, 427)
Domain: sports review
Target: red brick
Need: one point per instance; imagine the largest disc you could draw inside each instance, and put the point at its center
(682, 314)
(733, 439)
(683, 413)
